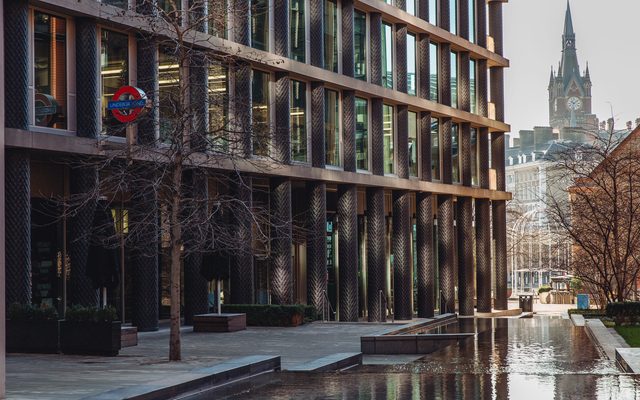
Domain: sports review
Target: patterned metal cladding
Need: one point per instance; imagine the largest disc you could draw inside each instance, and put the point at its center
(443, 21)
(18, 223)
(316, 33)
(281, 264)
(196, 287)
(464, 224)
(375, 39)
(483, 158)
(316, 244)
(197, 16)
(481, 22)
(402, 284)
(88, 111)
(483, 254)
(318, 149)
(147, 80)
(446, 253)
(281, 27)
(425, 145)
(199, 80)
(377, 139)
(482, 88)
(497, 158)
(495, 25)
(347, 38)
(349, 130)
(425, 270)
(242, 114)
(401, 4)
(499, 213)
(241, 274)
(401, 58)
(424, 72)
(464, 90)
(444, 73)
(348, 252)
(402, 151)
(423, 9)
(16, 72)
(497, 91)
(376, 249)
(446, 146)
(83, 182)
(463, 19)
(282, 147)
(465, 153)
(242, 22)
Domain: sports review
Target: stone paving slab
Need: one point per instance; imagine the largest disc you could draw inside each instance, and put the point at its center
(629, 359)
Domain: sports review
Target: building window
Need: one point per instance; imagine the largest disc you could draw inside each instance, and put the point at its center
(435, 149)
(50, 70)
(387, 135)
(331, 35)
(411, 7)
(433, 12)
(473, 97)
(453, 16)
(362, 134)
(170, 7)
(433, 71)
(332, 127)
(218, 106)
(169, 95)
(387, 55)
(360, 45)
(454, 79)
(474, 156)
(472, 20)
(298, 121)
(413, 143)
(411, 64)
(297, 37)
(114, 73)
(217, 18)
(260, 112)
(260, 24)
(117, 3)
(455, 158)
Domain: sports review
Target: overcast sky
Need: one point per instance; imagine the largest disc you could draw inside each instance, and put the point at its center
(607, 36)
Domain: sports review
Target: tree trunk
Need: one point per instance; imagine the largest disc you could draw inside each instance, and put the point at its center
(175, 353)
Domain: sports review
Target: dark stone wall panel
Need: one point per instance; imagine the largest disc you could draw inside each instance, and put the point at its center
(402, 150)
(497, 158)
(483, 158)
(463, 19)
(281, 27)
(464, 225)
(497, 91)
(425, 270)
(465, 153)
(443, 21)
(499, 213)
(425, 145)
(242, 22)
(423, 9)
(16, 72)
(424, 71)
(464, 89)
(348, 252)
(349, 130)
(316, 33)
(402, 284)
(88, 113)
(347, 38)
(318, 150)
(483, 255)
(495, 25)
(482, 88)
(377, 140)
(375, 61)
(241, 276)
(481, 23)
(282, 148)
(281, 231)
(376, 246)
(316, 244)
(401, 58)
(446, 146)
(446, 254)
(444, 74)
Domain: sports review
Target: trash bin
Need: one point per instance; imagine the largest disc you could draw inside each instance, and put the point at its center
(583, 301)
(525, 302)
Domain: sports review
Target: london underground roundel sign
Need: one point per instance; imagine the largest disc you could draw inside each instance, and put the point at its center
(127, 104)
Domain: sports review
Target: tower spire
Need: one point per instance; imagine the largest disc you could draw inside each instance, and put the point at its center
(568, 22)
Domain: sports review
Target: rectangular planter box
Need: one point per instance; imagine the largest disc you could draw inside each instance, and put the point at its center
(219, 322)
(90, 338)
(32, 336)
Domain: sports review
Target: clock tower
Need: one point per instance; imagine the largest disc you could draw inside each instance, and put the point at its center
(569, 89)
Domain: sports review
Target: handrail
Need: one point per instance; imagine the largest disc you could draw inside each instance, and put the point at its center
(327, 310)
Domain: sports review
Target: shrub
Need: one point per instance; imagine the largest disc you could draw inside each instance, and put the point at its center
(91, 314)
(31, 312)
(587, 313)
(544, 289)
(624, 313)
(270, 314)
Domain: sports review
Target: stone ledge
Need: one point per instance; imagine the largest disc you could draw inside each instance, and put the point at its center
(333, 362)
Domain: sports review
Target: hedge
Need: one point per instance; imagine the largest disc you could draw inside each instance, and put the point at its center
(624, 313)
(587, 313)
(544, 289)
(273, 315)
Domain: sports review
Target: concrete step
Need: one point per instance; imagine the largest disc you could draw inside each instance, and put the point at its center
(333, 362)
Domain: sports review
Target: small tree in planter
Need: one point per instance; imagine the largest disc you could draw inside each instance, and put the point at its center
(32, 329)
(91, 331)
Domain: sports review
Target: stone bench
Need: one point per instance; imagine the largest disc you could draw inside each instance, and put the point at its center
(219, 322)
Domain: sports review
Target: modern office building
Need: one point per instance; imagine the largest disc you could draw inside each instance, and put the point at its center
(386, 122)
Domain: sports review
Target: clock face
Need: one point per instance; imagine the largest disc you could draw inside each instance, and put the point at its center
(574, 103)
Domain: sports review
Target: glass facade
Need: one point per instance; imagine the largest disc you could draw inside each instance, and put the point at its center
(473, 97)
(453, 16)
(454, 79)
(433, 71)
(260, 24)
(360, 45)
(411, 64)
(455, 154)
(298, 121)
(50, 70)
(413, 143)
(217, 18)
(472, 20)
(388, 138)
(362, 134)
(474, 156)
(435, 149)
(218, 106)
(332, 127)
(114, 73)
(387, 55)
(411, 6)
(297, 37)
(331, 35)
(260, 111)
(169, 94)
(433, 12)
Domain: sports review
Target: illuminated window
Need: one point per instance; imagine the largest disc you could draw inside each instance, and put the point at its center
(114, 73)
(387, 55)
(298, 121)
(387, 135)
(260, 112)
(330, 35)
(411, 64)
(362, 134)
(332, 127)
(218, 106)
(413, 143)
(297, 25)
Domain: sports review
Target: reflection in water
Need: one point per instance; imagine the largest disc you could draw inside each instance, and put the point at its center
(537, 358)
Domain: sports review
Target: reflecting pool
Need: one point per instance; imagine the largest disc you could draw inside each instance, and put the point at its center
(535, 358)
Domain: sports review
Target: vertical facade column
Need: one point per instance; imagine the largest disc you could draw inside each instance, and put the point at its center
(401, 58)
(348, 252)
(463, 19)
(481, 22)
(464, 225)
(377, 142)
(375, 41)
(497, 73)
(349, 130)
(241, 20)
(88, 113)
(483, 227)
(401, 241)
(318, 150)
(282, 142)
(317, 245)
(446, 254)
(316, 33)
(499, 214)
(199, 98)
(423, 9)
(424, 67)
(241, 139)
(17, 162)
(376, 244)
(347, 38)
(444, 74)
(281, 231)
(147, 80)
(425, 270)
(281, 27)
(241, 274)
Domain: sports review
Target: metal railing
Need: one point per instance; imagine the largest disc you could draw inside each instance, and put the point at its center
(327, 310)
